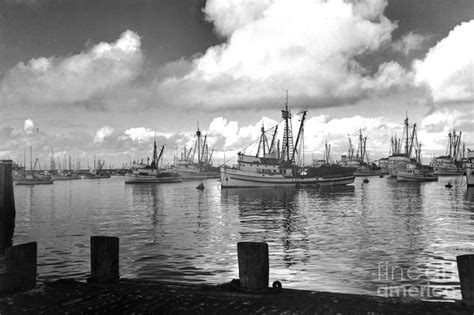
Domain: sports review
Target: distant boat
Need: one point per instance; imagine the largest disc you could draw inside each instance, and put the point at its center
(96, 173)
(144, 173)
(32, 179)
(359, 160)
(65, 176)
(413, 174)
(278, 168)
(202, 168)
(401, 157)
(470, 168)
(450, 163)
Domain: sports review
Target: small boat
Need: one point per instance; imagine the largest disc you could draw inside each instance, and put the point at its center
(144, 173)
(96, 173)
(65, 176)
(32, 179)
(412, 174)
(275, 168)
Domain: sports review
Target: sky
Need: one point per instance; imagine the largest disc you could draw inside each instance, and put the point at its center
(103, 79)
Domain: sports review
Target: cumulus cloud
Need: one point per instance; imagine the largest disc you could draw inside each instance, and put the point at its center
(29, 126)
(408, 43)
(102, 133)
(142, 134)
(308, 47)
(448, 67)
(77, 78)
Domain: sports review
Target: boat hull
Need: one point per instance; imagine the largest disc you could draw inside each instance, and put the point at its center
(25, 181)
(233, 178)
(448, 171)
(470, 177)
(365, 173)
(72, 177)
(410, 177)
(136, 179)
(190, 174)
(95, 176)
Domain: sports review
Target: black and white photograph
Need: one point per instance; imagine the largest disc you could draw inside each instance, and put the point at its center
(237, 156)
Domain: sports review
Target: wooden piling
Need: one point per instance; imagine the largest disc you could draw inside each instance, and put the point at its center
(466, 277)
(104, 259)
(7, 205)
(21, 269)
(253, 266)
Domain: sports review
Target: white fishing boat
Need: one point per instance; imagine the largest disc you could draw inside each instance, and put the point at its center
(414, 174)
(408, 155)
(470, 168)
(450, 164)
(275, 167)
(150, 173)
(201, 168)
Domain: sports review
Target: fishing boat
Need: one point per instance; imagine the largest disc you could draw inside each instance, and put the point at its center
(470, 168)
(150, 173)
(96, 172)
(408, 155)
(64, 174)
(359, 160)
(272, 167)
(32, 176)
(451, 163)
(414, 174)
(202, 168)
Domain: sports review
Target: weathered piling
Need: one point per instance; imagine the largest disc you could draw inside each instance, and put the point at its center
(253, 266)
(466, 277)
(7, 205)
(104, 259)
(20, 271)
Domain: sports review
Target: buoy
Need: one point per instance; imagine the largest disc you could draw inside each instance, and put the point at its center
(366, 180)
(200, 186)
(381, 175)
(448, 185)
(276, 285)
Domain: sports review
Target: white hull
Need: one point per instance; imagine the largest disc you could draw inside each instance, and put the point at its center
(134, 178)
(417, 177)
(448, 171)
(233, 178)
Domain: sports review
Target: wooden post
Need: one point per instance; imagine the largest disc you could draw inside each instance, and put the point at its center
(466, 277)
(21, 266)
(253, 266)
(7, 205)
(104, 259)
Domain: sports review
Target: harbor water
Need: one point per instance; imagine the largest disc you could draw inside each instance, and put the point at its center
(379, 238)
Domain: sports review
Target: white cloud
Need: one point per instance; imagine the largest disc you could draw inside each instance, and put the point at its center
(448, 67)
(29, 126)
(142, 134)
(77, 78)
(408, 43)
(308, 47)
(102, 133)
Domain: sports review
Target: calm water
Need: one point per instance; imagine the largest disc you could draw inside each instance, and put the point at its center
(363, 238)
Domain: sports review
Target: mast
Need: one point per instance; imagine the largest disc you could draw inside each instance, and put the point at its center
(287, 146)
(406, 135)
(300, 131)
(31, 158)
(270, 149)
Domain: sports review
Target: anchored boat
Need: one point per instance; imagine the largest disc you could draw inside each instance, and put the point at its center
(274, 167)
(450, 163)
(413, 174)
(149, 173)
(470, 168)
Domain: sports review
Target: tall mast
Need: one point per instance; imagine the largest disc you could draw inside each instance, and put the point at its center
(287, 146)
(300, 131)
(406, 135)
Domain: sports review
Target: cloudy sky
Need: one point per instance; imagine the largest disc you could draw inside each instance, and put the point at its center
(100, 77)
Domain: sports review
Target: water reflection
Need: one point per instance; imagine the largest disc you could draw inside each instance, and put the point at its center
(331, 238)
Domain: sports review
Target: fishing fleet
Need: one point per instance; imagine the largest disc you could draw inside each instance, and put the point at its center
(278, 161)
